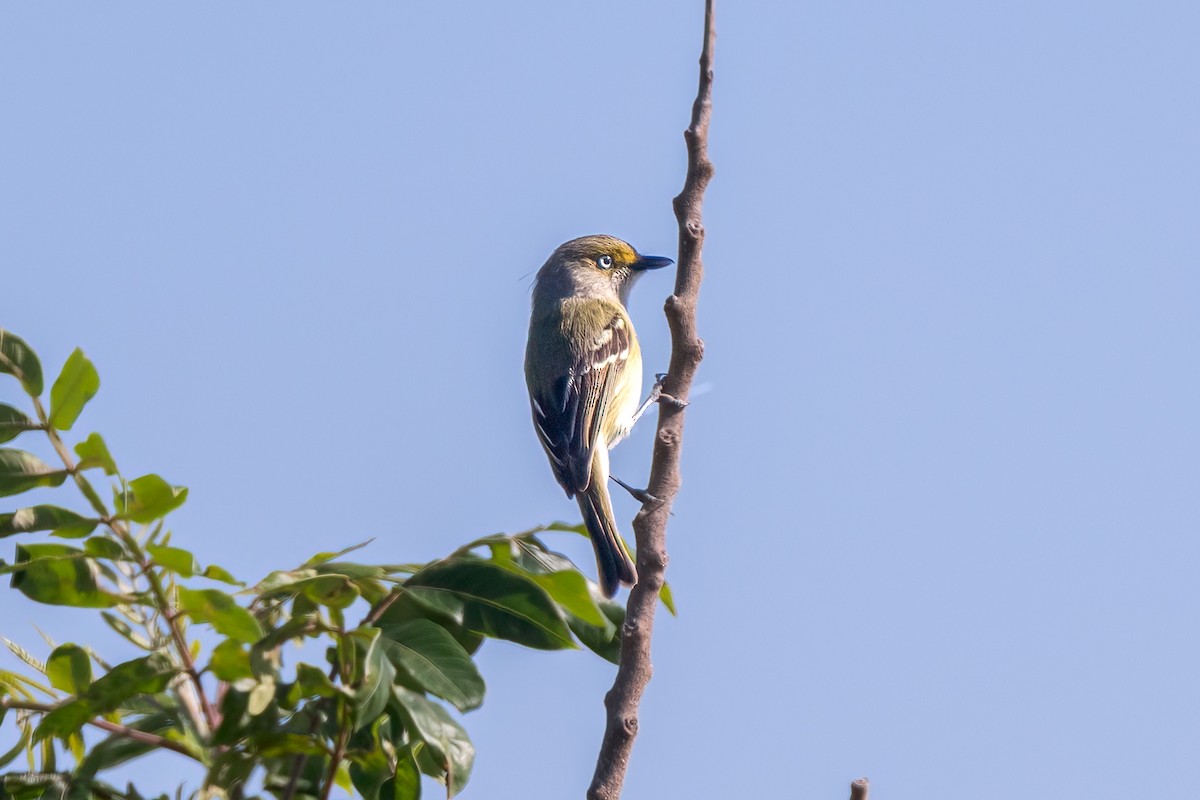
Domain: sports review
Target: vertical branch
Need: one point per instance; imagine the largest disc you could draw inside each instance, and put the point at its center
(860, 789)
(650, 524)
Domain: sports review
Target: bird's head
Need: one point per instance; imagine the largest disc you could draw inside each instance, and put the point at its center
(596, 265)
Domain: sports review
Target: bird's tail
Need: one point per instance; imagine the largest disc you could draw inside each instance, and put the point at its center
(613, 562)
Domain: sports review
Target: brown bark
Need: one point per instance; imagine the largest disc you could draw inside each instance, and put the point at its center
(650, 524)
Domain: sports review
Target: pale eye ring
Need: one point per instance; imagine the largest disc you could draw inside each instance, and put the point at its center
(604, 262)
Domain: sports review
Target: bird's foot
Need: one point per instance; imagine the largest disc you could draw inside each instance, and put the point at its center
(641, 495)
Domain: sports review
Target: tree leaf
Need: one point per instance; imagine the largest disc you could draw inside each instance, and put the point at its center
(371, 695)
(69, 668)
(261, 696)
(21, 471)
(321, 558)
(76, 384)
(230, 661)
(451, 750)
(65, 523)
(8, 756)
(222, 612)
(312, 682)
(494, 601)
(406, 784)
(603, 641)
(104, 547)
(149, 498)
(19, 360)
(335, 591)
(668, 598)
(436, 663)
(13, 423)
(148, 675)
(122, 627)
(93, 452)
(59, 575)
(555, 573)
(216, 573)
(175, 559)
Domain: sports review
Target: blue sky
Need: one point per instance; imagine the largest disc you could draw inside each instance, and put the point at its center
(940, 510)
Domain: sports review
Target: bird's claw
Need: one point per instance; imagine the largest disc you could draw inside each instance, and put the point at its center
(641, 495)
(663, 397)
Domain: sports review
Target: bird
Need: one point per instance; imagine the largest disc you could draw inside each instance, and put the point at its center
(583, 368)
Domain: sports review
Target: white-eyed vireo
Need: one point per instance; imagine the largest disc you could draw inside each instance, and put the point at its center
(584, 371)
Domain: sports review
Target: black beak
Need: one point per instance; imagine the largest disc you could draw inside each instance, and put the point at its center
(651, 262)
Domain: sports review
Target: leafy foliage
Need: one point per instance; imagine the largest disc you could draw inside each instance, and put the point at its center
(372, 718)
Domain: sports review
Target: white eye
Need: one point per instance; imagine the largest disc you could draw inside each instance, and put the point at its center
(604, 262)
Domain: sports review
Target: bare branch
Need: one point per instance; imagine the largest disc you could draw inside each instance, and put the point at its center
(650, 524)
(860, 789)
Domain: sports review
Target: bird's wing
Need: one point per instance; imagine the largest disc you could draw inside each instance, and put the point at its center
(569, 411)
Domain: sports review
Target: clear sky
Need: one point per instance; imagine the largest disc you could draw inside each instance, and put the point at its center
(941, 505)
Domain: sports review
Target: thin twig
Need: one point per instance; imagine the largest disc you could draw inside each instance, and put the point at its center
(650, 524)
(208, 720)
(339, 751)
(124, 731)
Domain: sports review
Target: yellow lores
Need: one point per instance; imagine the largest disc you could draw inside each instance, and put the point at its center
(584, 371)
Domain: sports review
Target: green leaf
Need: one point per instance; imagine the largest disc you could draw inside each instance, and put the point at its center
(69, 668)
(19, 360)
(371, 695)
(21, 471)
(220, 574)
(350, 570)
(24, 655)
(431, 658)
(335, 591)
(452, 753)
(175, 559)
(76, 384)
(565, 584)
(16, 750)
(667, 598)
(321, 558)
(59, 575)
(150, 498)
(65, 523)
(222, 612)
(603, 641)
(148, 675)
(312, 682)
(494, 601)
(230, 661)
(261, 696)
(93, 452)
(13, 423)
(122, 627)
(104, 547)
(407, 782)
(278, 744)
